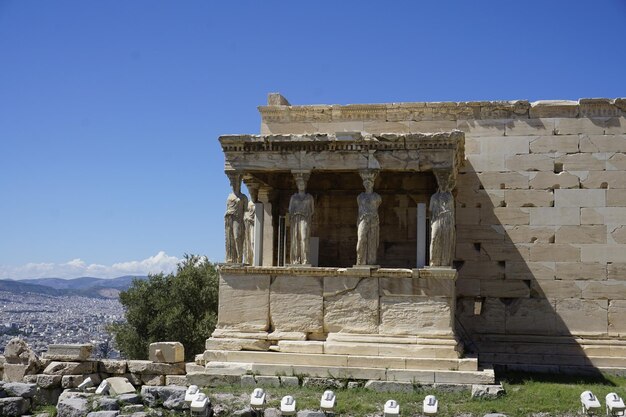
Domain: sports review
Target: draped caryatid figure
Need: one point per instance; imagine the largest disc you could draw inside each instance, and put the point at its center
(301, 208)
(368, 222)
(442, 226)
(234, 227)
(248, 219)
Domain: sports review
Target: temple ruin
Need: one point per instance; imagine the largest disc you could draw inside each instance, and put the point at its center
(425, 242)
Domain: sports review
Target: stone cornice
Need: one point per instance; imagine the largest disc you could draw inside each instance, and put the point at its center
(393, 112)
(356, 142)
(438, 273)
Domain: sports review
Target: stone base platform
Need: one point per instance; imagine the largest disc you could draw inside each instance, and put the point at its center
(560, 354)
(424, 360)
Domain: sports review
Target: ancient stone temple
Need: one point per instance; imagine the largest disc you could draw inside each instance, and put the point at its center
(425, 242)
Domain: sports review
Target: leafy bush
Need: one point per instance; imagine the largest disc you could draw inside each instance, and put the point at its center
(179, 307)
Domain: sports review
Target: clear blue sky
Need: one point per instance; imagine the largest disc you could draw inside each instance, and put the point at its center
(110, 110)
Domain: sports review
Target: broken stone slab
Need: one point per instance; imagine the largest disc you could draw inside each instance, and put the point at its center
(13, 406)
(20, 389)
(110, 366)
(71, 368)
(106, 404)
(133, 409)
(14, 372)
(289, 381)
(153, 380)
(487, 391)
(322, 383)
(69, 352)
(104, 413)
(167, 352)
(119, 385)
(130, 398)
(389, 386)
(152, 368)
(175, 380)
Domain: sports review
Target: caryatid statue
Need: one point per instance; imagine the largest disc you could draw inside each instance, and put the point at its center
(368, 222)
(248, 219)
(442, 227)
(234, 227)
(300, 218)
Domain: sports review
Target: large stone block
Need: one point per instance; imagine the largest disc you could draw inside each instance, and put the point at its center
(69, 352)
(616, 271)
(602, 253)
(554, 252)
(584, 317)
(351, 304)
(152, 368)
(581, 234)
(603, 215)
(504, 288)
(556, 289)
(529, 198)
(551, 181)
(544, 271)
(167, 352)
(551, 144)
(609, 289)
(580, 271)
(579, 198)
(605, 179)
(617, 318)
(408, 287)
(530, 234)
(415, 315)
(490, 319)
(603, 143)
(618, 234)
(581, 162)
(554, 216)
(505, 145)
(296, 303)
(120, 385)
(503, 180)
(71, 368)
(236, 344)
(616, 162)
(530, 316)
(244, 302)
(111, 366)
(531, 162)
(504, 216)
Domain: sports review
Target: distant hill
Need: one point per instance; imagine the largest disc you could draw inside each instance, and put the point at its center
(83, 286)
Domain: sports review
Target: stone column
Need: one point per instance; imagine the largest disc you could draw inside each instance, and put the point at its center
(301, 207)
(368, 222)
(442, 220)
(266, 196)
(250, 220)
(234, 228)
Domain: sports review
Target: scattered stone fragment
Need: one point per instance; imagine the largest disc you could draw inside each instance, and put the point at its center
(13, 406)
(487, 391)
(130, 398)
(71, 381)
(106, 403)
(171, 397)
(271, 412)
(120, 385)
(70, 368)
(132, 408)
(71, 406)
(289, 381)
(49, 381)
(104, 414)
(322, 383)
(20, 389)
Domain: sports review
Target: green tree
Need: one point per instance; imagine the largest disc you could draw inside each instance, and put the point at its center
(180, 307)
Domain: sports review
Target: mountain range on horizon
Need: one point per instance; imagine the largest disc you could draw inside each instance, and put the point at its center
(82, 286)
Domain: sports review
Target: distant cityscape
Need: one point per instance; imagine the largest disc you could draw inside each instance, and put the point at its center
(42, 320)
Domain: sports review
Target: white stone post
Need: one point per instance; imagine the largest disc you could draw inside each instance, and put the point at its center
(421, 235)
